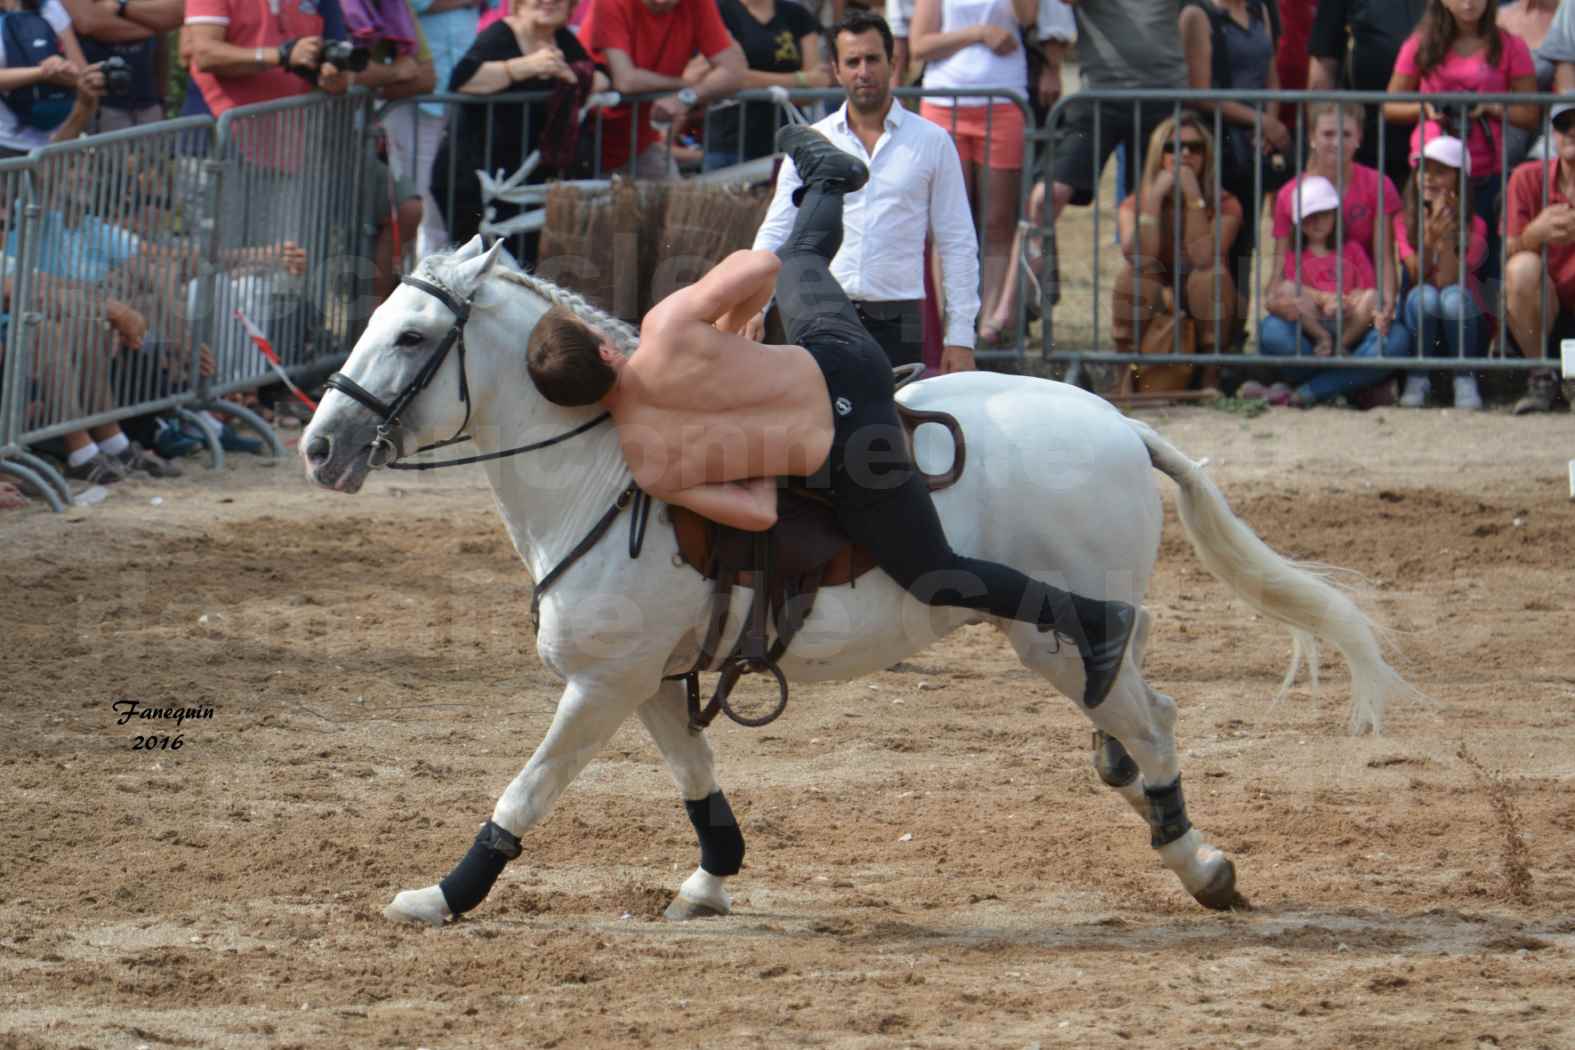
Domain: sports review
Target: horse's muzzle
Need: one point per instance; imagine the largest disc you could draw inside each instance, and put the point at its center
(341, 465)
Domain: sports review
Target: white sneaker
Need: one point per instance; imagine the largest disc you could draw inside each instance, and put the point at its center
(1417, 387)
(1467, 399)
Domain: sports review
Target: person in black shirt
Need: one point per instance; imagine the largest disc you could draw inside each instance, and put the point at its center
(529, 50)
(134, 33)
(781, 43)
(1375, 29)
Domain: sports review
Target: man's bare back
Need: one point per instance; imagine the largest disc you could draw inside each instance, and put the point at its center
(699, 407)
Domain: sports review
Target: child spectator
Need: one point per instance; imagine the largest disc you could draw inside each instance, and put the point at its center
(1338, 301)
(1334, 137)
(1459, 48)
(1446, 310)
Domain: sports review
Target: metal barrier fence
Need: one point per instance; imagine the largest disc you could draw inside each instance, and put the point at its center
(489, 133)
(128, 254)
(1130, 116)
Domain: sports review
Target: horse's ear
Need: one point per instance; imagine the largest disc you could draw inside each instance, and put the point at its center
(470, 249)
(474, 267)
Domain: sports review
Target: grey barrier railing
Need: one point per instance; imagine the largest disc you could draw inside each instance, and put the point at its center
(128, 254)
(509, 118)
(1144, 109)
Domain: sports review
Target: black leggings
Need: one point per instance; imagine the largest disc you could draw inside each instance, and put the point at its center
(881, 501)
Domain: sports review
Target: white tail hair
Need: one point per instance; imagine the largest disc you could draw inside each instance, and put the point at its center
(1304, 597)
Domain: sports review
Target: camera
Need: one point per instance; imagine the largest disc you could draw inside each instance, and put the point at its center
(117, 76)
(346, 56)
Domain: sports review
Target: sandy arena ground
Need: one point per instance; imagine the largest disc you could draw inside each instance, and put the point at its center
(374, 685)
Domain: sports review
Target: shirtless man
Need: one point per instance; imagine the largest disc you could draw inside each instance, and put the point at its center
(708, 419)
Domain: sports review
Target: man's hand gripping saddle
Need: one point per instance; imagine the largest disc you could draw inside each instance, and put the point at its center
(802, 552)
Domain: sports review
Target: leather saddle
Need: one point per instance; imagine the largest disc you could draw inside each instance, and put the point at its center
(804, 551)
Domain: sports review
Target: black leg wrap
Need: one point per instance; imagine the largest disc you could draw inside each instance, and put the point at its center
(1167, 814)
(721, 843)
(1111, 761)
(471, 880)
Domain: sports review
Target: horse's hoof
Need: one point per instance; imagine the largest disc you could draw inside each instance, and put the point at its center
(1220, 891)
(683, 909)
(420, 906)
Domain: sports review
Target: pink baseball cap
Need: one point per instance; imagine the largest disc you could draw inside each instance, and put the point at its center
(1429, 141)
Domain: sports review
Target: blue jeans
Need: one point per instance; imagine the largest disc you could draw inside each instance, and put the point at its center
(1280, 338)
(1437, 314)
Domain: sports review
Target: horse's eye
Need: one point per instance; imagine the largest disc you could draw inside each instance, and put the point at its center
(409, 338)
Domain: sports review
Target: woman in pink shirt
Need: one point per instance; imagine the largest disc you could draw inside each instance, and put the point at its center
(1459, 48)
(1337, 312)
(1445, 302)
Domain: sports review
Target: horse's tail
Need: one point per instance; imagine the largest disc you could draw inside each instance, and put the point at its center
(1299, 595)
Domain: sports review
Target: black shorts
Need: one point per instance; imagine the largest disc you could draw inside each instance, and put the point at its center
(1080, 159)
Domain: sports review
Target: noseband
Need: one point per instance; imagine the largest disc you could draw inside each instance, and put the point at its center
(388, 446)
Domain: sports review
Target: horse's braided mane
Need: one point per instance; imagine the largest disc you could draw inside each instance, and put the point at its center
(622, 334)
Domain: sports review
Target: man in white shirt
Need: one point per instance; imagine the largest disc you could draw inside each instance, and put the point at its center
(915, 188)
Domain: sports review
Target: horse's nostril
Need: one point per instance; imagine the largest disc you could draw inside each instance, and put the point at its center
(318, 449)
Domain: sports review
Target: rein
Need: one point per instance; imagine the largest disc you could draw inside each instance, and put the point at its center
(387, 447)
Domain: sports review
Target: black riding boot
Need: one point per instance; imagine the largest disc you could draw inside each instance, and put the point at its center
(819, 162)
(1101, 631)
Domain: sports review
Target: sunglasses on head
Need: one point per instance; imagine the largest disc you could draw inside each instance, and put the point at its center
(1192, 146)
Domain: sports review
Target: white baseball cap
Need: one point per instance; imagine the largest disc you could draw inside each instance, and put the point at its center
(1429, 141)
(1312, 195)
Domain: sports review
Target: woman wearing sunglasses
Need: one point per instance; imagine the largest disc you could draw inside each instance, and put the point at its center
(1175, 237)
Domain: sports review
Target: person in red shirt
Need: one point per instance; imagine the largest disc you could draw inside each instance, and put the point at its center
(237, 53)
(1529, 229)
(645, 45)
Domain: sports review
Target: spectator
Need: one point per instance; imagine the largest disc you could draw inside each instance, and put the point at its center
(1291, 60)
(646, 44)
(1446, 317)
(899, 17)
(1175, 202)
(1541, 301)
(399, 66)
(1334, 142)
(239, 55)
(1337, 310)
(1230, 46)
(530, 50)
(1120, 44)
(1450, 53)
(416, 132)
(915, 189)
(1354, 45)
(977, 44)
(1553, 51)
(38, 83)
(781, 43)
(134, 32)
(1054, 32)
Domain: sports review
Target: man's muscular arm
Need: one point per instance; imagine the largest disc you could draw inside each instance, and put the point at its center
(736, 289)
(748, 505)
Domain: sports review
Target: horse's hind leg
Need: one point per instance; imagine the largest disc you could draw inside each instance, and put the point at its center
(582, 726)
(689, 759)
(1135, 753)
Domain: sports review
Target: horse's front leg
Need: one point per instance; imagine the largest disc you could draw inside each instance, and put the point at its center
(584, 722)
(688, 756)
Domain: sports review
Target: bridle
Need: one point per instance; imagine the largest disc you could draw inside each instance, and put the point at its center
(387, 447)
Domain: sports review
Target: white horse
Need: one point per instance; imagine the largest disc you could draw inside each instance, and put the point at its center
(1057, 484)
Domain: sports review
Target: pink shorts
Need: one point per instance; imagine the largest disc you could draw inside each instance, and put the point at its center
(990, 136)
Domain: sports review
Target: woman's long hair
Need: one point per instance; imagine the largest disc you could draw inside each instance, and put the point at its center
(1169, 130)
(1436, 33)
